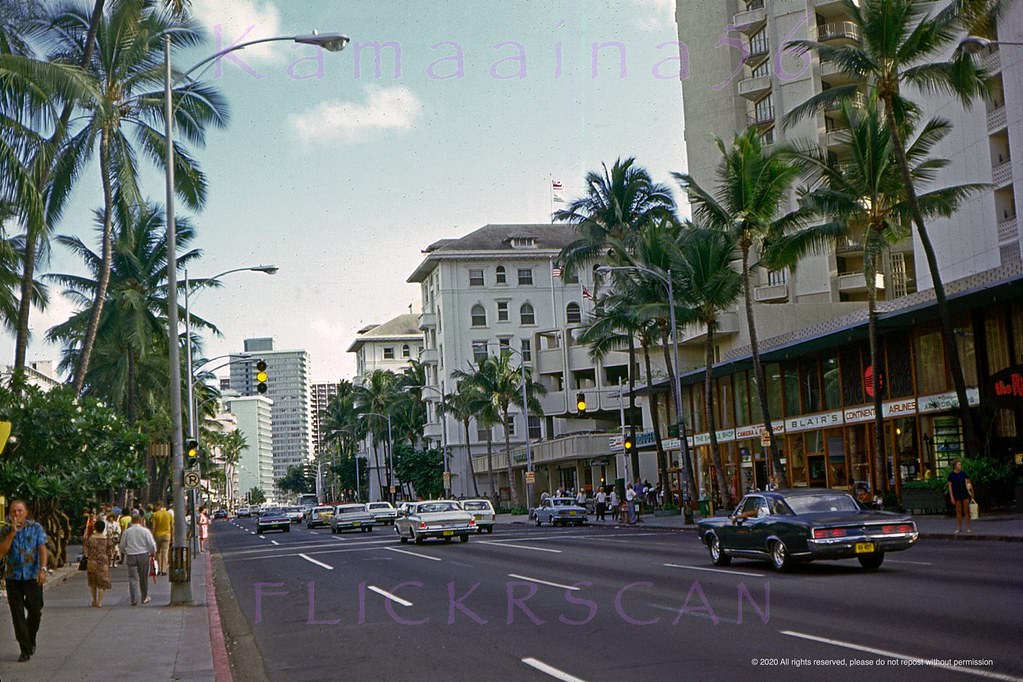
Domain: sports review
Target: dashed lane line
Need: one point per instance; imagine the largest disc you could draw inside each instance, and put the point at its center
(405, 551)
(716, 570)
(505, 544)
(544, 582)
(318, 563)
(551, 670)
(387, 595)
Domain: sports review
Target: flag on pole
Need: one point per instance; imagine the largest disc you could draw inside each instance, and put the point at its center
(555, 271)
(557, 192)
(587, 294)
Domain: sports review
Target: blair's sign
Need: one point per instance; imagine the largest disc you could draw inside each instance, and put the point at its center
(1007, 387)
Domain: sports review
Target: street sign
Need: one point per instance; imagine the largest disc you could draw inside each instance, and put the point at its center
(530, 477)
(765, 438)
(191, 479)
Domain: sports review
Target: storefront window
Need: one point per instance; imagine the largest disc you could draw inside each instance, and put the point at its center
(772, 374)
(699, 418)
(725, 401)
(967, 352)
(791, 391)
(797, 460)
(859, 453)
(997, 342)
(810, 385)
(852, 375)
(900, 366)
(906, 449)
(1016, 332)
(930, 363)
(742, 396)
(832, 385)
(837, 474)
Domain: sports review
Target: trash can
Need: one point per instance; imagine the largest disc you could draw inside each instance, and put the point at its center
(704, 505)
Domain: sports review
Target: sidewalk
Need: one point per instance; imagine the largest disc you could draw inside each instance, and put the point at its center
(1005, 527)
(146, 642)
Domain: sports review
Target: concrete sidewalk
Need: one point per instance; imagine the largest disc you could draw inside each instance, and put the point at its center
(146, 642)
(990, 526)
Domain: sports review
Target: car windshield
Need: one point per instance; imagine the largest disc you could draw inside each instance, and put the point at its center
(292, 510)
(822, 502)
(320, 510)
(380, 505)
(350, 510)
(476, 506)
(434, 507)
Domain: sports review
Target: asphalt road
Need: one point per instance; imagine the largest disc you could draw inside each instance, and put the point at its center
(602, 603)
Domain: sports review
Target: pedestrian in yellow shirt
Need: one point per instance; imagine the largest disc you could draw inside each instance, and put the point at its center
(163, 527)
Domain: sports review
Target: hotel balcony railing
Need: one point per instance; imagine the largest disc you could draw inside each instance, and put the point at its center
(1008, 230)
(838, 30)
(755, 87)
(752, 18)
(1001, 174)
(996, 119)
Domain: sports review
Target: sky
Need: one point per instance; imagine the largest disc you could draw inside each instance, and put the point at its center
(340, 174)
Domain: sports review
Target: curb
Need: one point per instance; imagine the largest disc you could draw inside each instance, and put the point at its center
(221, 662)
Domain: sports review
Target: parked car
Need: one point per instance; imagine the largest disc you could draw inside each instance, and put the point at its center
(294, 513)
(560, 510)
(383, 512)
(483, 512)
(220, 514)
(273, 519)
(245, 511)
(318, 516)
(351, 517)
(792, 526)
(435, 519)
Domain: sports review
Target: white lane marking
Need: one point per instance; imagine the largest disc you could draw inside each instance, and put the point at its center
(274, 542)
(716, 570)
(916, 660)
(318, 563)
(915, 563)
(551, 670)
(543, 582)
(387, 595)
(505, 544)
(405, 551)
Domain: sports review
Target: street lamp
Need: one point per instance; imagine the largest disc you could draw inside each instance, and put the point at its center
(181, 574)
(683, 442)
(390, 451)
(974, 44)
(443, 435)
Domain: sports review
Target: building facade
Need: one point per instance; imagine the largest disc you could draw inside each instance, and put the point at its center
(390, 346)
(254, 417)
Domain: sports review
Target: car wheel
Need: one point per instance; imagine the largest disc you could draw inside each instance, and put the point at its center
(287, 529)
(538, 523)
(871, 562)
(401, 538)
(717, 556)
(490, 529)
(369, 529)
(416, 539)
(780, 558)
(463, 538)
(447, 539)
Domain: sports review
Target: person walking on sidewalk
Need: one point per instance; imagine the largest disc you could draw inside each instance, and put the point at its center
(204, 528)
(630, 503)
(163, 527)
(960, 489)
(601, 504)
(138, 545)
(24, 545)
(99, 549)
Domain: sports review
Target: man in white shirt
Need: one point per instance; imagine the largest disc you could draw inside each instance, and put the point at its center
(601, 504)
(138, 545)
(630, 503)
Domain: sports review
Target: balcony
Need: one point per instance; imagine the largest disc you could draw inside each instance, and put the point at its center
(759, 49)
(1001, 174)
(858, 101)
(755, 88)
(429, 356)
(996, 119)
(854, 283)
(1008, 230)
(761, 116)
(752, 18)
(838, 31)
(992, 63)
(427, 321)
(837, 138)
(771, 293)
(564, 449)
(696, 332)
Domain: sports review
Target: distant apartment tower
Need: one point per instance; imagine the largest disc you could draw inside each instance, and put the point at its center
(321, 395)
(288, 389)
(255, 468)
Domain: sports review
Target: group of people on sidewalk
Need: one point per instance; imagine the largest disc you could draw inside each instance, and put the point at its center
(110, 536)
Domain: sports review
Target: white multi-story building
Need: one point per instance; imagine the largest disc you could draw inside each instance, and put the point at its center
(288, 388)
(256, 462)
(389, 346)
(320, 396)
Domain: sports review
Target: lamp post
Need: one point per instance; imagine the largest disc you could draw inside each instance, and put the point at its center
(443, 435)
(181, 574)
(683, 441)
(390, 452)
(974, 44)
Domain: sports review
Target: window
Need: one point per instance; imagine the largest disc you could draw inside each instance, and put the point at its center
(525, 277)
(504, 344)
(479, 350)
(476, 277)
(762, 70)
(482, 435)
(406, 352)
(500, 276)
(526, 314)
(758, 43)
(572, 313)
(511, 425)
(502, 311)
(535, 432)
(388, 352)
(527, 350)
(479, 316)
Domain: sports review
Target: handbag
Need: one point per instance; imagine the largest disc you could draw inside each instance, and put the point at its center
(974, 509)
(153, 568)
(83, 563)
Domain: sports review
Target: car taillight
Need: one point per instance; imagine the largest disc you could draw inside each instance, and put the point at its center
(900, 528)
(422, 525)
(821, 533)
(472, 522)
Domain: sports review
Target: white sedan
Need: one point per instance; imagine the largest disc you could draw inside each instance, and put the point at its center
(434, 519)
(351, 517)
(483, 512)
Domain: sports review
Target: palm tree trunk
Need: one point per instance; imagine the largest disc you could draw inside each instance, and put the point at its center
(107, 261)
(758, 368)
(490, 467)
(690, 481)
(376, 465)
(632, 402)
(662, 456)
(468, 455)
(944, 313)
(507, 453)
(708, 402)
(880, 480)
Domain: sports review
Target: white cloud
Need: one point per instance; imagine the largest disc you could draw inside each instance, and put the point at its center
(654, 15)
(236, 21)
(385, 109)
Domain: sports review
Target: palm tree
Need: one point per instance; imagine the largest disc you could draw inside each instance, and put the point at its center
(864, 195)
(131, 340)
(341, 426)
(753, 187)
(709, 285)
(463, 404)
(902, 44)
(377, 394)
(127, 71)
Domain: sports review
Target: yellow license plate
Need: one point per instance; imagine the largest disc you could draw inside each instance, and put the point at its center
(449, 532)
(477, 516)
(356, 523)
(864, 548)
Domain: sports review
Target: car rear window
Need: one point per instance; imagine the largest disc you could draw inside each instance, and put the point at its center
(810, 504)
(476, 506)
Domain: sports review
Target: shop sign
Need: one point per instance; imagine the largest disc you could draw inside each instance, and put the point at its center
(898, 408)
(1007, 387)
(858, 415)
(726, 436)
(814, 421)
(746, 432)
(946, 401)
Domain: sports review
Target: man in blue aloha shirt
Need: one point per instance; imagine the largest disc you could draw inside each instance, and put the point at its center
(24, 544)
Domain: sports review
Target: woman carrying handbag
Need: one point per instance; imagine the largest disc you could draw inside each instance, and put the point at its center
(960, 490)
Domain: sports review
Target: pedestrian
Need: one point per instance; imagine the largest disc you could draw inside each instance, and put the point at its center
(162, 527)
(601, 506)
(24, 545)
(99, 550)
(580, 498)
(960, 489)
(630, 503)
(613, 499)
(112, 530)
(204, 528)
(138, 546)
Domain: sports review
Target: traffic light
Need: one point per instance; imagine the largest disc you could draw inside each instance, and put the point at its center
(192, 452)
(630, 440)
(580, 403)
(261, 376)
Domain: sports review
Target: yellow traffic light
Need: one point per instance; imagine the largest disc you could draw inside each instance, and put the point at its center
(580, 403)
(192, 451)
(630, 441)
(261, 376)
